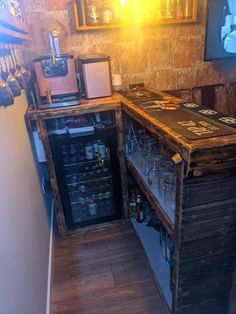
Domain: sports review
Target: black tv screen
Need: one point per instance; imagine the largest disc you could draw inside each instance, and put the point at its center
(220, 41)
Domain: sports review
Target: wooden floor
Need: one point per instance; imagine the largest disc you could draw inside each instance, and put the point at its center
(104, 271)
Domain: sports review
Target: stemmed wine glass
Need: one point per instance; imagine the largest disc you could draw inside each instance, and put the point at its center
(9, 78)
(153, 174)
(24, 71)
(6, 95)
(18, 74)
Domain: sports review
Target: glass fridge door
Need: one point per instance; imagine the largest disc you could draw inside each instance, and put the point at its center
(87, 168)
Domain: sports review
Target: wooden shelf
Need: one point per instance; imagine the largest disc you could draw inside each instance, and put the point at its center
(12, 22)
(161, 214)
(146, 24)
(8, 35)
(150, 241)
(81, 25)
(11, 28)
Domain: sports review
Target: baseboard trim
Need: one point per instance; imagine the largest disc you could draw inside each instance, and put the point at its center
(50, 261)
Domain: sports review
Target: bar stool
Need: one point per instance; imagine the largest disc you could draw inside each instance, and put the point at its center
(212, 96)
(183, 93)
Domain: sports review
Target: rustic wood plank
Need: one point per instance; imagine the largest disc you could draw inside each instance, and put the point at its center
(177, 233)
(214, 159)
(52, 174)
(124, 183)
(174, 140)
(86, 106)
(207, 255)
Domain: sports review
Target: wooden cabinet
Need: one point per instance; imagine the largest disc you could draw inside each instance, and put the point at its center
(45, 120)
(199, 278)
(202, 224)
(94, 15)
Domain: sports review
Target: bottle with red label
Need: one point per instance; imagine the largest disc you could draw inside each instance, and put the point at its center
(139, 210)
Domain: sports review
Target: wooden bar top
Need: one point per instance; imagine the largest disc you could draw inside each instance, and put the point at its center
(221, 146)
(85, 106)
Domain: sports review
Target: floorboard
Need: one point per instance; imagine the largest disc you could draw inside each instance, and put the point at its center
(103, 270)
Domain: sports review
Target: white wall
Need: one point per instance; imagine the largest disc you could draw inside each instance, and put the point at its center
(24, 226)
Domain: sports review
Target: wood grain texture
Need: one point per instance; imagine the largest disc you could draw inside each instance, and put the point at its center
(104, 270)
(177, 232)
(200, 156)
(207, 250)
(204, 231)
(86, 106)
(178, 143)
(42, 129)
(123, 174)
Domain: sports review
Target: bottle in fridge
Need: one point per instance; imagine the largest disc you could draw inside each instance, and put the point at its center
(84, 151)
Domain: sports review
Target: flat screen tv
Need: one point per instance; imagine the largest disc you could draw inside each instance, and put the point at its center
(220, 41)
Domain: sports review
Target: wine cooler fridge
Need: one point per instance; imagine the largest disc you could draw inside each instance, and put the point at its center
(84, 149)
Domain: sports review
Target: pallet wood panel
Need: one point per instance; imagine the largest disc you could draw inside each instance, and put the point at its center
(120, 150)
(53, 178)
(207, 250)
(204, 231)
(177, 234)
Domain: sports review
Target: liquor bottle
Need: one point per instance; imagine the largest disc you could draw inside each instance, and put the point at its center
(188, 9)
(179, 9)
(11, 7)
(107, 13)
(17, 9)
(170, 9)
(93, 15)
(132, 206)
(92, 207)
(139, 210)
(127, 145)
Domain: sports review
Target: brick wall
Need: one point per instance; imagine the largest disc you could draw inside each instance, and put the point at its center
(163, 57)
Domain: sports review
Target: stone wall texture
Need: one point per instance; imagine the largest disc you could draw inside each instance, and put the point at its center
(163, 57)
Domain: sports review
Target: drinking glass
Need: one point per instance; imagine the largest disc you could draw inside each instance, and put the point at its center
(144, 151)
(153, 174)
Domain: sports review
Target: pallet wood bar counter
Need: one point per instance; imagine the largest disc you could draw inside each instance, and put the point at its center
(204, 230)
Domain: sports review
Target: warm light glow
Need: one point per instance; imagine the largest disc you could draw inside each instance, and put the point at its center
(123, 2)
(138, 11)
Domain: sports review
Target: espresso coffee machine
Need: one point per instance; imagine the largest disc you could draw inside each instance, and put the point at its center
(56, 78)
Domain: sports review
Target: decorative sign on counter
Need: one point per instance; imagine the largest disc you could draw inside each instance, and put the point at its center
(188, 122)
(189, 119)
